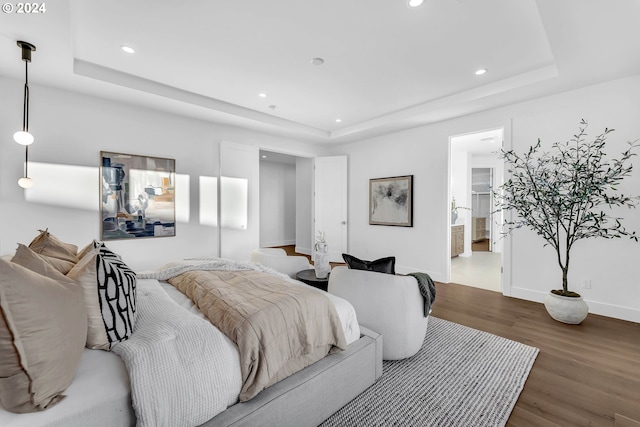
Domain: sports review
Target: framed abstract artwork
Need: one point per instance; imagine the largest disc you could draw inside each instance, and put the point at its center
(391, 201)
(137, 196)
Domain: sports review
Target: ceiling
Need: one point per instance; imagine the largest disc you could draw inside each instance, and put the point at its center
(479, 143)
(387, 67)
(270, 156)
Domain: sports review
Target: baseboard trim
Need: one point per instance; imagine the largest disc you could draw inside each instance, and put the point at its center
(603, 309)
(304, 251)
(622, 421)
(436, 277)
(277, 243)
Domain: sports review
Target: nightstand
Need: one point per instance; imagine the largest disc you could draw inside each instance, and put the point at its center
(309, 277)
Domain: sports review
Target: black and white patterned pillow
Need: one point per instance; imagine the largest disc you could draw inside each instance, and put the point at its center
(109, 288)
(116, 294)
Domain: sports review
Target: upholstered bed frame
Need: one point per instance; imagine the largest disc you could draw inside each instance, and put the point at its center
(99, 385)
(310, 396)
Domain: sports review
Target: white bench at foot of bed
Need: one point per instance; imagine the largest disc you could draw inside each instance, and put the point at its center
(312, 395)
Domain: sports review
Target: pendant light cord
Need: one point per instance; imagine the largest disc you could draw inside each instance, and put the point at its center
(25, 105)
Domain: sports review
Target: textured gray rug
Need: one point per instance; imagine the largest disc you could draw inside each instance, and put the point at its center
(460, 377)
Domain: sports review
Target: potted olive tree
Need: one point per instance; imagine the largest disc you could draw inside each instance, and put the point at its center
(564, 196)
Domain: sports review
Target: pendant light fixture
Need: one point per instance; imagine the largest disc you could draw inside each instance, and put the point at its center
(23, 137)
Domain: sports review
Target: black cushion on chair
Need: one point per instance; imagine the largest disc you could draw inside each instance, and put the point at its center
(382, 265)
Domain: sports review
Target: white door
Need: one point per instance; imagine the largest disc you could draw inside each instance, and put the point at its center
(330, 204)
(239, 200)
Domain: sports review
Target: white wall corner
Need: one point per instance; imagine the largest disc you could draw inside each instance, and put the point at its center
(435, 276)
(301, 250)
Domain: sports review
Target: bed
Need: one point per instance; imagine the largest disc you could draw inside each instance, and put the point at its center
(101, 392)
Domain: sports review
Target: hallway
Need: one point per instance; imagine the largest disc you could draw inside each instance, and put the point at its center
(481, 270)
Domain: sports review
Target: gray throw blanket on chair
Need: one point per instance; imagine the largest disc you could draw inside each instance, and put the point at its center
(427, 289)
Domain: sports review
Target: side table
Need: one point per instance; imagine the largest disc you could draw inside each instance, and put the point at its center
(309, 277)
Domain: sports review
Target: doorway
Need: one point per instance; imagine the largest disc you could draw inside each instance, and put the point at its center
(300, 196)
(278, 193)
(481, 209)
(475, 171)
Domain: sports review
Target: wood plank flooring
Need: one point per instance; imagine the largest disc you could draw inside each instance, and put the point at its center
(583, 375)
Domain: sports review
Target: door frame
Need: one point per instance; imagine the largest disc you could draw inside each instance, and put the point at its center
(319, 200)
(506, 258)
(492, 178)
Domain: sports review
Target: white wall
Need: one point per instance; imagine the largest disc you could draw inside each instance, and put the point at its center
(304, 201)
(611, 265)
(461, 191)
(70, 130)
(277, 204)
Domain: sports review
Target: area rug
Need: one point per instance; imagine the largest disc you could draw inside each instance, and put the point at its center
(460, 377)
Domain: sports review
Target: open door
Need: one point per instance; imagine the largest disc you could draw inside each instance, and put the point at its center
(330, 204)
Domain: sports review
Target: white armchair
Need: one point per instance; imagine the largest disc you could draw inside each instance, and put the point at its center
(385, 303)
(277, 259)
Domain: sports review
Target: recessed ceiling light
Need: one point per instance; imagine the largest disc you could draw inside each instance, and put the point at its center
(317, 61)
(481, 71)
(338, 120)
(262, 95)
(127, 49)
(264, 156)
(415, 3)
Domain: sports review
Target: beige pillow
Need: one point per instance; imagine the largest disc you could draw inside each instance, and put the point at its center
(43, 326)
(109, 287)
(85, 274)
(57, 253)
(82, 252)
(36, 263)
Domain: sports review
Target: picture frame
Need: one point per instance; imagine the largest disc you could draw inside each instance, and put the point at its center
(391, 201)
(137, 196)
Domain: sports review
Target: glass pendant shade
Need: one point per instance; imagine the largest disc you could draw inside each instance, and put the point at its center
(23, 137)
(25, 182)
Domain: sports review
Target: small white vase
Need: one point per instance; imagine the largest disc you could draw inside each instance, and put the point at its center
(571, 310)
(321, 261)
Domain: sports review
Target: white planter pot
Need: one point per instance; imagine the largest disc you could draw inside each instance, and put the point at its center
(571, 310)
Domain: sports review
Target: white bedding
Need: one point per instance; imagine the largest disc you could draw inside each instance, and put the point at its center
(182, 370)
(98, 396)
(100, 393)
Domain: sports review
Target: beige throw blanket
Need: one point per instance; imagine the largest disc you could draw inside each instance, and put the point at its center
(279, 327)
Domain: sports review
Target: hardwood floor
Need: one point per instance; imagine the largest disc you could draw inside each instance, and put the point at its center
(291, 250)
(480, 246)
(584, 374)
